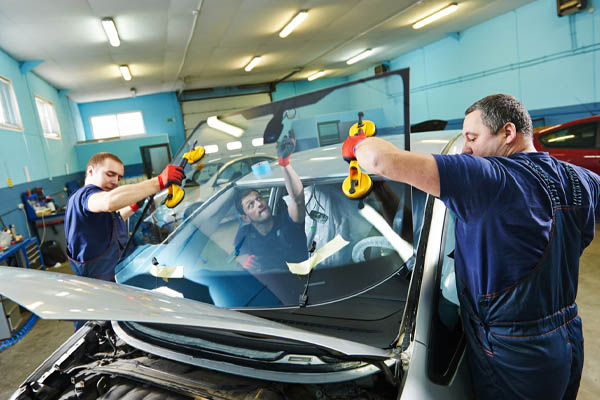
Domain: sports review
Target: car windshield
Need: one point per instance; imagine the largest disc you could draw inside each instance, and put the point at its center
(218, 258)
(342, 247)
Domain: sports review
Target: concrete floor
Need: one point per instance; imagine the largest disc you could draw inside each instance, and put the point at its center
(19, 360)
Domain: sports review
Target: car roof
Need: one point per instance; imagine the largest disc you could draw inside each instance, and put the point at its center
(323, 162)
(566, 124)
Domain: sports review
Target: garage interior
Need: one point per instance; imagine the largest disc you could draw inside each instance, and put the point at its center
(68, 90)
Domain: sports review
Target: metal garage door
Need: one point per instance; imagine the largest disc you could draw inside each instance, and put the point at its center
(196, 111)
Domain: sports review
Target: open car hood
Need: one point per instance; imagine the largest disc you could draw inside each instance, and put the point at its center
(69, 297)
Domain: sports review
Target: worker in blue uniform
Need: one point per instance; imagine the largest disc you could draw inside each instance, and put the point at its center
(95, 214)
(262, 231)
(523, 219)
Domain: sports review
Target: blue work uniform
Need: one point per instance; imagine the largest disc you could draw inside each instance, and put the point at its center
(522, 222)
(286, 242)
(95, 241)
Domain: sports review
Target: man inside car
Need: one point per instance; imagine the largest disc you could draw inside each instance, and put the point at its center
(523, 219)
(268, 241)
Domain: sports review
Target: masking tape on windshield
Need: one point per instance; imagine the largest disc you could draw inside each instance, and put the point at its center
(166, 272)
(328, 249)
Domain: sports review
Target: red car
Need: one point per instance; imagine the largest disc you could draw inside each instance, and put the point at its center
(577, 142)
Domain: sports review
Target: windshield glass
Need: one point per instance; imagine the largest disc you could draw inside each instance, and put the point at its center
(217, 257)
(209, 250)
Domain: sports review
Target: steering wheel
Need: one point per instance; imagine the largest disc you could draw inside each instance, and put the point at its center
(358, 251)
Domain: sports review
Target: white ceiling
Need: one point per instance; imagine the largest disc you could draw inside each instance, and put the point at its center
(68, 36)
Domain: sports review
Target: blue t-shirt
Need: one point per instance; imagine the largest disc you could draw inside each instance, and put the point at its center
(504, 214)
(88, 234)
(285, 242)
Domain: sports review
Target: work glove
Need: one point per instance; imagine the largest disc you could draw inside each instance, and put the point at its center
(285, 148)
(171, 175)
(136, 206)
(349, 146)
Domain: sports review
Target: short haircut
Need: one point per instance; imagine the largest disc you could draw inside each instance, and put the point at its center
(498, 109)
(100, 157)
(239, 197)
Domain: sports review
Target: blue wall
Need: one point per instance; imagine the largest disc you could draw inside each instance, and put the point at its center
(161, 113)
(47, 160)
(551, 64)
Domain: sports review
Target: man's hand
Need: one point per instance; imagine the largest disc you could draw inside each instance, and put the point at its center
(172, 174)
(285, 148)
(136, 206)
(350, 145)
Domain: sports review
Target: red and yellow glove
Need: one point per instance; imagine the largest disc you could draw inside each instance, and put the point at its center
(285, 148)
(172, 174)
(349, 146)
(136, 206)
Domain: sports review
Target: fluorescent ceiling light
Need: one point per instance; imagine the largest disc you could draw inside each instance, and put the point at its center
(359, 57)
(316, 75)
(111, 31)
(449, 9)
(234, 145)
(125, 72)
(214, 159)
(293, 24)
(214, 123)
(258, 142)
(253, 63)
(211, 148)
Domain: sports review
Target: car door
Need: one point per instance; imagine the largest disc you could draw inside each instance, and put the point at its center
(578, 144)
(438, 366)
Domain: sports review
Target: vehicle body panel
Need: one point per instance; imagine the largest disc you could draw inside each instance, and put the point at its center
(577, 142)
(68, 297)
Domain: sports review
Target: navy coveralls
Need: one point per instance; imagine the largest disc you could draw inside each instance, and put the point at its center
(525, 340)
(84, 232)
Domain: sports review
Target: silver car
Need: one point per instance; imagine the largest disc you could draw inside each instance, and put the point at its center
(371, 313)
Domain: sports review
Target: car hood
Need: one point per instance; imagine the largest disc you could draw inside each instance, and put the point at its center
(69, 297)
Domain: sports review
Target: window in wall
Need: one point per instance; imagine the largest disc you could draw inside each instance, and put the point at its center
(117, 125)
(329, 132)
(9, 109)
(48, 119)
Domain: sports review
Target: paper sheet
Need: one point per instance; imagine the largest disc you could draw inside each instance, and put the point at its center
(328, 249)
(165, 272)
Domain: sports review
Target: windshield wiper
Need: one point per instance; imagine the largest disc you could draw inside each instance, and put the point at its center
(304, 296)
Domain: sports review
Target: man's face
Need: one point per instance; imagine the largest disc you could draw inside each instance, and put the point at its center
(479, 139)
(255, 208)
(106, 174)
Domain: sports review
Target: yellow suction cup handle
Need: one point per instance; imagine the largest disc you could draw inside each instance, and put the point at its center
(358, 184)
(175, 196)
(195, 155)
(368, 127)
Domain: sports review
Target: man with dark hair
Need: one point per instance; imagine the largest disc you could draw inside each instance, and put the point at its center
(523, 219)
(268, 241)
(94, 228)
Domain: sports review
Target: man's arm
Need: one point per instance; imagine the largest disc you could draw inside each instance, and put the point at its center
(380, 157)
(122, 197)
(293, 184)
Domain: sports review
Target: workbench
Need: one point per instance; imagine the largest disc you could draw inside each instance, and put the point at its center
(26, 253)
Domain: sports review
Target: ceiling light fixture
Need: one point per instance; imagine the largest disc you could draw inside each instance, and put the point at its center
(316, 75)
(449, 9)
(253, 63)
(293, 24)
(215, 123)
(256, 142)
(111, 31)
(125, 72)
(359, 57)
(234, 146)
